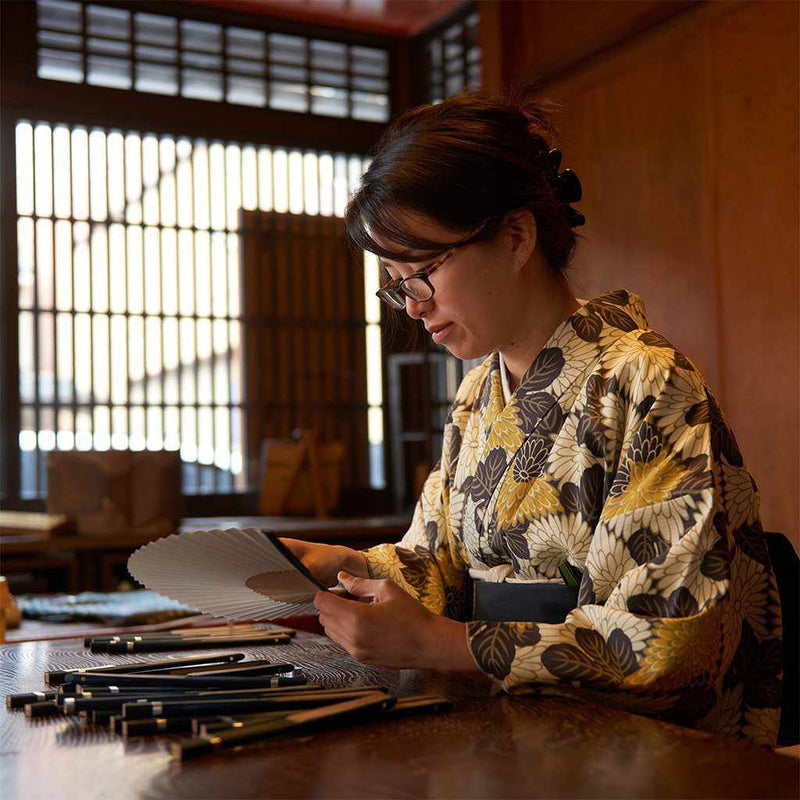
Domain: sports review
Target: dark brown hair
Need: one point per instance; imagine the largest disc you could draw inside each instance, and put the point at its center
(465, 163)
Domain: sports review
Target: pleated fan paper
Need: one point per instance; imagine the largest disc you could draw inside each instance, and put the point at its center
(233, 574)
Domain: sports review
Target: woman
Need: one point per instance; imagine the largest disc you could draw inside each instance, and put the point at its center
(584, 448)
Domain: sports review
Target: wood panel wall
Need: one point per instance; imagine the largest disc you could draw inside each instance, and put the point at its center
(685, 137)
(304, 339)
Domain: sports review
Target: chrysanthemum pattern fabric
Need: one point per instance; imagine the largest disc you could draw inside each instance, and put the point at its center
(612, 454)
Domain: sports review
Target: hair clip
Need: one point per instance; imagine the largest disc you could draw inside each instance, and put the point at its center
(567, 187)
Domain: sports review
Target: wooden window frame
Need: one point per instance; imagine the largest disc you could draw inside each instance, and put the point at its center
(27, 96)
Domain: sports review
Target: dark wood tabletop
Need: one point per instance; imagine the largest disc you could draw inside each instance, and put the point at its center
(331, 529)
(486, 747)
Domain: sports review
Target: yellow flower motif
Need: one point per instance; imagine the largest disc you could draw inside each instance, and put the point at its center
(507, 430)
(470, 452)
(749, 594)
(472, 382)
(761, 725)
(431, 496)
(496, 402)
(631, 350)
(565, 462)
(725, 718)
(607, 562)
(558, 537)
(456, 511)
(650, 482)
(433, 594)
(384, 563)
(680, 650)
(641, 368)
(520, 502)
(683, 391)
(740, 498)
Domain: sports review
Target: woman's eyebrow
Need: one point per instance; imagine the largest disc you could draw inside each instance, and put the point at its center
(385, 265)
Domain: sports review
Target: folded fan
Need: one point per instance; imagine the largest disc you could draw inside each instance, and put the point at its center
(234, 574)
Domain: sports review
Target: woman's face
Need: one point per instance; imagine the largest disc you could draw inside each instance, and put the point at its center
(477, 289)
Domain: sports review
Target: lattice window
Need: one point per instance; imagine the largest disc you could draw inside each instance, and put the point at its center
(121, 49)
(131, 314)
(454, 58)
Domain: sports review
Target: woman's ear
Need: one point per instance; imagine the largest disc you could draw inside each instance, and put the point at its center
(522, 232)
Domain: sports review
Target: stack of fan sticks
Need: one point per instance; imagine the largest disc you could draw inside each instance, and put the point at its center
(221, 701)
(192, 639)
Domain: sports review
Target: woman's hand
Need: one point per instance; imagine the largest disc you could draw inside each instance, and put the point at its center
(387, 626)
(323, 561)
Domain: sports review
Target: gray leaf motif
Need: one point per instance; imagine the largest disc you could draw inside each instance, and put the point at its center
(544, 370)
(680, 603)
(587, 326)
(487, 476)
(653, 339)
(515, 542)
(591, 434)
(619, 297)
(432, 535)
(590, 493)
(570, 498)
(494, 644)
(716, 563)
(455, 447)
(616, 317)
(646, 545)
(533, 406)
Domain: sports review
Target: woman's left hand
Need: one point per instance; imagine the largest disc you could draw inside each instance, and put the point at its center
(388, 627)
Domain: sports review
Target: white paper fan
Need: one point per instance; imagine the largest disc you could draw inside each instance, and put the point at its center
(234, 574)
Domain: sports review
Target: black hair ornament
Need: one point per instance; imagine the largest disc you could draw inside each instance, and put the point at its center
(567, 187)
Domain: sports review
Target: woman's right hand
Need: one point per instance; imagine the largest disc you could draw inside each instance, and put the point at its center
(324, 561)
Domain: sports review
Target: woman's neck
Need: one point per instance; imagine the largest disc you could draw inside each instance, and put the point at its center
(549, 301)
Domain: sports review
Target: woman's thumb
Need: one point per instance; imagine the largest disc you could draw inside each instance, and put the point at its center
(360, 587)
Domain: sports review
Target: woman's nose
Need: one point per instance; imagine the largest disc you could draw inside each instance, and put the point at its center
(414, 308)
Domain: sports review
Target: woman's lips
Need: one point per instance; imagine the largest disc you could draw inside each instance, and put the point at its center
(438, 336)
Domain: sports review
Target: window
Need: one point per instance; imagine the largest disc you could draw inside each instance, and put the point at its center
(454, 58)
(131, 319)
(153, 53)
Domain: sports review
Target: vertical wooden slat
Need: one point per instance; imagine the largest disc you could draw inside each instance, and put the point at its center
(212, 357)
(298, 366)
(178, 309)
(140, 187)
(285, 395)
(56, 396)
(327, 280)
(9, 320)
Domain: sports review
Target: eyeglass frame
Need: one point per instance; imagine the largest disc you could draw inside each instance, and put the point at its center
(395, 296)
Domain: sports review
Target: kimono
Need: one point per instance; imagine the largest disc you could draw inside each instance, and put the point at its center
(612, 454)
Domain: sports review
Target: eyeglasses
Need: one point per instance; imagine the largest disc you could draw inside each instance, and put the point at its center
(418, 286)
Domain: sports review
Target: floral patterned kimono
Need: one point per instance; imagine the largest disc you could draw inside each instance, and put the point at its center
(611, 454)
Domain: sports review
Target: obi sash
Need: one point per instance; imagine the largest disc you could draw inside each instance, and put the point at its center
(497, 599)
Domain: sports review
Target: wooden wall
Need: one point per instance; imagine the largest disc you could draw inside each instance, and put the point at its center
(682, 123)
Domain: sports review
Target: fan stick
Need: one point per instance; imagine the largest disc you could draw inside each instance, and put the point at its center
(180, 643)
(57, 677)
(347, 711)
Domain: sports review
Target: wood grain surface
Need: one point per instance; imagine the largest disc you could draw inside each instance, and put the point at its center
(486, 747)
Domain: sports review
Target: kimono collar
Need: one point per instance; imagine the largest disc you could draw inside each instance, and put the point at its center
(504, 378)
(548, 387)
(570, 351)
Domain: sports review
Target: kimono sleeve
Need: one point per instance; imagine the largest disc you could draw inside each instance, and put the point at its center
(678, 613)
(428, 562)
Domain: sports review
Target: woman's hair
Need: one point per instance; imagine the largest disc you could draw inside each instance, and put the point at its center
(464, 163)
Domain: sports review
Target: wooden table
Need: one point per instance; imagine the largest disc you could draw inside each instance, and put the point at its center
(501, 747)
